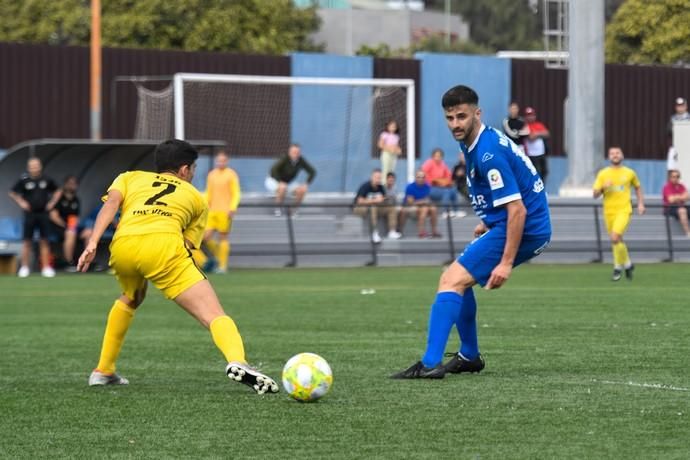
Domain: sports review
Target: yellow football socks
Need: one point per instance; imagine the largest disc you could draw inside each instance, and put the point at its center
(199, 257)
(119, 319)
(620, 255)
(223, 253)
(227, 338)
(212, 246)
(624, 257)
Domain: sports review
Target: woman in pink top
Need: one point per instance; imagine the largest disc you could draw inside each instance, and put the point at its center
(389, 144)
(439, 177)
(675, 197)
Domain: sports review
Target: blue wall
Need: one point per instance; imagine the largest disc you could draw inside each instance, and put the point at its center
(488, 76)
(335, 138)
(321, 129)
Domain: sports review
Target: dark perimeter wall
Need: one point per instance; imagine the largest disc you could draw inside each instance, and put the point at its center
(638, 103)
(44, 92)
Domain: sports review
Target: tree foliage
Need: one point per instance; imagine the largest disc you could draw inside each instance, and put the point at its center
(432, 44)
(250, 26)
(644, 32)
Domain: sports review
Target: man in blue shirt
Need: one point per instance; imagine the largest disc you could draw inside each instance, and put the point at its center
(418, 203)
(508, 196)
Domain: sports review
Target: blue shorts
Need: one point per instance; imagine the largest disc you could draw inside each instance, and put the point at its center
(482, 255)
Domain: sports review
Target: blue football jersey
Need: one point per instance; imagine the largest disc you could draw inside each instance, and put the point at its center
(498, 172)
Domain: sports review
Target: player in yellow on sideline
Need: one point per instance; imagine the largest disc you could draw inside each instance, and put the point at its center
(614, 183)
(223, 194)
(162, 219)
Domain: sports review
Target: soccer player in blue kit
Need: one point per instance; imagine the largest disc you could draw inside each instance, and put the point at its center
(508, 196)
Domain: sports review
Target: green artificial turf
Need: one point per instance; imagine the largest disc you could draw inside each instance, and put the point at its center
(577, 367)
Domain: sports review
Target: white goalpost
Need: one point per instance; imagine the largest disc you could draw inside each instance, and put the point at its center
(336, 120)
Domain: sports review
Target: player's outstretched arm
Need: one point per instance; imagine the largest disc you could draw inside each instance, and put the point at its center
(104, 218)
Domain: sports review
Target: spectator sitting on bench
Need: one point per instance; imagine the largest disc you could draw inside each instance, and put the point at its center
(443, 191)
(65, 216)
(418, 204)
(371, 199)
(281, 178)
(675, 197)
(86, 229)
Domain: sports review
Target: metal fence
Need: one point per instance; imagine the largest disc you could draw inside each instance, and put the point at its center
(656, 232)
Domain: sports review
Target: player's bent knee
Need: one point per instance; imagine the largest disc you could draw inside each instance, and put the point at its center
(456, 278)
(136, 301)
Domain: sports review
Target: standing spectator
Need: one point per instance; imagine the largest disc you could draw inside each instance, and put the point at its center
(282, 174)
(37, 195)
(675, 197)
(439, 177)
(389, 145)
(371, 199)
(614, 183)
(65, 216)
(460, 177)
(418, 203)
(514, 126)
(223, 194)
(681, 114)
(535, 143)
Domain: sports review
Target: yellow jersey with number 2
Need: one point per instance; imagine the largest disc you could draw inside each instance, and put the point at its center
(159, 203)
(616, 184)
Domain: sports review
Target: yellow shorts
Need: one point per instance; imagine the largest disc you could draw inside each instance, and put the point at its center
(219, 221)
(161, 258)
(617, 222)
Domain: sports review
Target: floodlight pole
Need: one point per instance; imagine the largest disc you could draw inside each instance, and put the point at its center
(95, 112)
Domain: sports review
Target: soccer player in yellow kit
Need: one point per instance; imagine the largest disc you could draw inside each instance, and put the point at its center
(223, 194)
(614, 183)
(162, 219)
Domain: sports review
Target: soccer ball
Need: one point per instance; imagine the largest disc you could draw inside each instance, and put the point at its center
(307, 377)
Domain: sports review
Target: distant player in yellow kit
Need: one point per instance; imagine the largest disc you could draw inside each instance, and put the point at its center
(223, 194)
(614, 183)
(162, 219)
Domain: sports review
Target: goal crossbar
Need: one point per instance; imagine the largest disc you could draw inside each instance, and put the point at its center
(180, 78)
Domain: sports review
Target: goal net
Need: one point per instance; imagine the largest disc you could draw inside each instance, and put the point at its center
(337, 122)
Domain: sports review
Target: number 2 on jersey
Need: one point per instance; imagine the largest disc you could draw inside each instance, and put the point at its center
(153, 201)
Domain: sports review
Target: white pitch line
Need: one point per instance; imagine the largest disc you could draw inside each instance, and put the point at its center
(655, 386)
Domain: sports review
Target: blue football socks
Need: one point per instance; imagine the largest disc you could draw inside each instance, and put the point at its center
(444, 313)
(467, 326)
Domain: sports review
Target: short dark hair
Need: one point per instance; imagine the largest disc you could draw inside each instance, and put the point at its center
(172, 154)
(69, 177)
(390, 174)
(458, 95)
